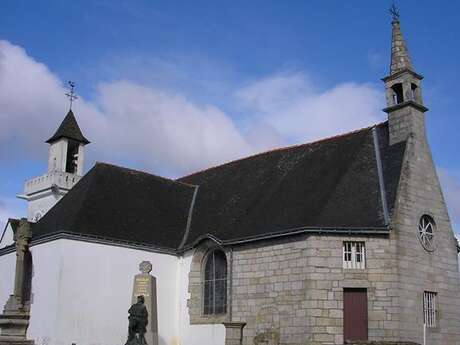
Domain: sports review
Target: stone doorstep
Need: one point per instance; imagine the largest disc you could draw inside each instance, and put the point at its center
(381, 343)
(15, 342)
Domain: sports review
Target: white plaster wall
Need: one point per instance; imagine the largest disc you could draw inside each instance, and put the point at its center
(194, 334)
(7, 263)
(95, 287)
(46, 260)
(57, 155)
(44, 286)
(82, 292)
(41, 206)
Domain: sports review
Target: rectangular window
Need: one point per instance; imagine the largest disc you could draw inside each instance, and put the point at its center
(429, 308)
(354, 255)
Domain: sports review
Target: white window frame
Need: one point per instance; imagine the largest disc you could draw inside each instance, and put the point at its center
(429, 309)
(354, 255)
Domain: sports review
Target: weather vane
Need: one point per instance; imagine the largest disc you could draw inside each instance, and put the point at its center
(394, 12)
(71, 94)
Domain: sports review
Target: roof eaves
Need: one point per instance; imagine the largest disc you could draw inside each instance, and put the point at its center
(70, 235)
(351, 231)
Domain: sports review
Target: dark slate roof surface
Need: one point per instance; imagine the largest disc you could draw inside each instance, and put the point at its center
(332, 183)
(122, 204)
(69, 129)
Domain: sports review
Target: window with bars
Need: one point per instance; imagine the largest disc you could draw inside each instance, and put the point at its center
(429, 308)
(215, 283)
(354, 255)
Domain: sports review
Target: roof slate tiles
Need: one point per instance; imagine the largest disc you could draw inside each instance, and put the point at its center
(69, 129)
(332, 183)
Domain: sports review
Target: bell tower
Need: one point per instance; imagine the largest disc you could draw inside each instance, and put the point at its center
(65, 167)
(405, 107)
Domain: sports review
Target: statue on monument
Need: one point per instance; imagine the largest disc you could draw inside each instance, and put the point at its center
(138, 320)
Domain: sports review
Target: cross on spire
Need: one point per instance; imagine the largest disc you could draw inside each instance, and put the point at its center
(71, 95)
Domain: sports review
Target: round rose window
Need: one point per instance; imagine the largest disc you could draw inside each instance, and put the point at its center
(426, 229)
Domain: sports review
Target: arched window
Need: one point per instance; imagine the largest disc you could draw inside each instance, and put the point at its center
(215, 283)
(398, 96)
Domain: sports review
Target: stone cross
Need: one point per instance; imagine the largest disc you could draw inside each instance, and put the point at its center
(15, 318)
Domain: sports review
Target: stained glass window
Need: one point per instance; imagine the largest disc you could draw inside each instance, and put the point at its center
(215, 283)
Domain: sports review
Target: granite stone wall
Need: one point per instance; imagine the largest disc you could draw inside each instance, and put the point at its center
(292, 292)
(420, 270)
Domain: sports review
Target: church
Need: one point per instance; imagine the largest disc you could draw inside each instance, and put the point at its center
(340, 240)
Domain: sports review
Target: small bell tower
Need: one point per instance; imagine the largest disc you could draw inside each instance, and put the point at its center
(65, 166)
(405, 107)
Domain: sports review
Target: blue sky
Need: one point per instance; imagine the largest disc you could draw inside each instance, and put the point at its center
(175, 86)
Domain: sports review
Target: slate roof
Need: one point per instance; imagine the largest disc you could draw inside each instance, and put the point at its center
(69, 129)
(122, 204)
(329, 184)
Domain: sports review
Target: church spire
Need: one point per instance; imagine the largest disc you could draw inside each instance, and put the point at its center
(400, 59)
(403, 88)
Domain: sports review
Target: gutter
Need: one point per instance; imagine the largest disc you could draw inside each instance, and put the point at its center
(67, 235)
(189, 219)
(350, 231)
(381, 179)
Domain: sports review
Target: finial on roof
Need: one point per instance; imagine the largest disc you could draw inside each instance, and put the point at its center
(394, 12)
(400, 59)
(72, 96)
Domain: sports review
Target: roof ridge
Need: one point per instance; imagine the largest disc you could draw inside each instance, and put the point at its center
(137, 171)
(337, 136)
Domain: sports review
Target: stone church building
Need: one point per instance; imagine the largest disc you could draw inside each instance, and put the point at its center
(343, 239)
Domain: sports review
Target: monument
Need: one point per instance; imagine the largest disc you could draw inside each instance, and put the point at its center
(16, 314)
(145, 285)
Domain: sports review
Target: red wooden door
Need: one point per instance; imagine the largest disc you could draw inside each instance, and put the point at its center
(354, 314)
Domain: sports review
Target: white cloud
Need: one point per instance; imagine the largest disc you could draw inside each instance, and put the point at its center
(166, 132)
(291, 104)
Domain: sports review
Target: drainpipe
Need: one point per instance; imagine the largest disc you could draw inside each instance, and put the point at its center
(230, 287)
(424, 333)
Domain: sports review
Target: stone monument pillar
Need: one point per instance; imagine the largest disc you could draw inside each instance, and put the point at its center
(15, 318)
(146, 285)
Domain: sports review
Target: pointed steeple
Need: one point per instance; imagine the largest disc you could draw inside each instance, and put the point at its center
(403, 86)
(69, 129)
(400, 59)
